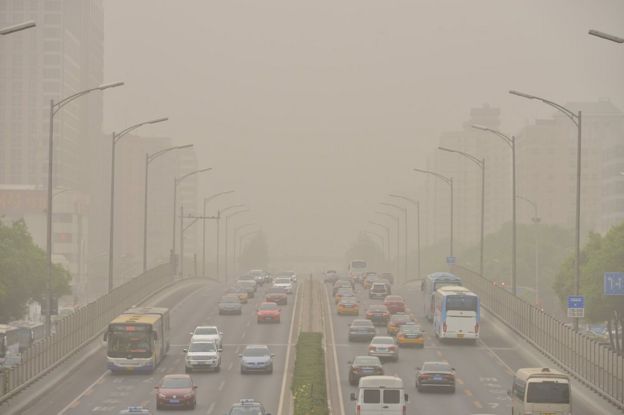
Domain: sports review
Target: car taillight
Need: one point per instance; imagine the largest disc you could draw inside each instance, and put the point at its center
(424, 377)
(371, 348)
(357, 410)
(476, 328)
(444, 327)
(404, 410)
(392, 348)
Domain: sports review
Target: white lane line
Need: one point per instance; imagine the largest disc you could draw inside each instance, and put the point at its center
(282, 397)
(76, 401)
(210, 408)
(230, 366)
(243, 335)
(221, 385)
(333, 344)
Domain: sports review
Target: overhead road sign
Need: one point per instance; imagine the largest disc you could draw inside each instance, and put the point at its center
(613, 283)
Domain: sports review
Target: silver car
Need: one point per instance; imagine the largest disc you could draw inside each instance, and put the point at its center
(202, 355)
(384, 347)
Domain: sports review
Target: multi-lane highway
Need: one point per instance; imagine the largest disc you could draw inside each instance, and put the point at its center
(484, 371)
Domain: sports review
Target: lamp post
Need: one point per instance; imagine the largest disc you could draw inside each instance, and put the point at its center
(449, 181)
(481, 164)
(227, 224)
(55, 107)
(577, 119)
(606, 36)
(17, 28)
(387, 229)
(115, 139)
(221, 213)
(396, 220)
(417, 204)
(235, 237)
(536, 220)
(148, 159)
(405, 236)
(381, 239)
(206, 200)
(176, 182)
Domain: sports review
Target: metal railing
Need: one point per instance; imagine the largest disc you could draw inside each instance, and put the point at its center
(79, 328)
(591, 362)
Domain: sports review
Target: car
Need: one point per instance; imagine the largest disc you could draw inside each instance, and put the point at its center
(341, 284)
(268, 313)
(202, 355)
(362, 330)
(247, 407)
(378, 290)
(435, 375)
(256, 358)
(135, 410)
(368, 279)
(292, 275)
(250, 285)
(330, 276)
(410, 335)
(207, 333)
(230, 304)
(283, 282)
(344, 292)
(176, 391)
(395, 303)
(241, 292)
(362, 366)
(396, 320)
(388, 276)
(348, 306)
(378, 314)
(384, 347)
(258, 276)
(276, 295)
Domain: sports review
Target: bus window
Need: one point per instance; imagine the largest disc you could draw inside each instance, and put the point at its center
(548, 392)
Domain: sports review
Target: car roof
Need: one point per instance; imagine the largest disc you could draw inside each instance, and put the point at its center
(177, 376)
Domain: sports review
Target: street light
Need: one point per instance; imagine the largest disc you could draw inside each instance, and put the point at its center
(536, 220)
(417, 204)
(17, 28)
(236, 254)
(577, 119)
(511, 142)
(227, 222)
(55, 107)
(219, 214)
(481, 164)
(176, 182)
(396, 219)
(115, 139)
(148, 159)
(449, 181)
(206, 200)
(404, 210)
(387, 229)
(606, 36)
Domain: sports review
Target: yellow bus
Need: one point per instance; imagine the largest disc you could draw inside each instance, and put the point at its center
(138, 339)
(540, 391)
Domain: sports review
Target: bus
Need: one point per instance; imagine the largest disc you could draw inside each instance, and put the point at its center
(138, 339)
(540, 391)
(9, 345)
(357, 268)
(431, 283)
(456, 314)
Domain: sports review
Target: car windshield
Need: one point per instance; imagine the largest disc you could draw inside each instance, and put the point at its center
(246, 410)
(282, 280)
(268, 306)
(366, 323)
(399, 318)
(548, 392)
(382, 340)
(176, 383)
(276, 290)
(255, 352)
(202, 347)
(378, 308)
(436, 367)
(366, 361)
(204, 331)
(394, 298)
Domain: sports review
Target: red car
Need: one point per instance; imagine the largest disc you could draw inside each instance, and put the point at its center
(395, 304)
(175, 391)
(276, 295)
(268, 312)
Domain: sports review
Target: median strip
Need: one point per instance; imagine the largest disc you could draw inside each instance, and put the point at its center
(308, 386)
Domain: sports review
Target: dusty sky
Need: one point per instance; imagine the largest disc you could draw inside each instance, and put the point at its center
(313, 110)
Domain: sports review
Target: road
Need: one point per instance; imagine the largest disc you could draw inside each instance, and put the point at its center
(484, 371)
(92, 389)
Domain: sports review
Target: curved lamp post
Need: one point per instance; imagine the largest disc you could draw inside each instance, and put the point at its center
(387, 229)
(396, 220)
(17, 28)
(606, 36)
(206, 200)
(405, 249)
(227, 224)
(417, 204)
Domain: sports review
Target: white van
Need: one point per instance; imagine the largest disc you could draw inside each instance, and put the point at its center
(380, 395)
(540, 391)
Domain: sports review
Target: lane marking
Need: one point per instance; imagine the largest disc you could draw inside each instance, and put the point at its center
(230, 366)
(76, 400)
(478, 404)
(458, 380)
(210, 408)
(282, 397)
(467, 392)
(221, 385)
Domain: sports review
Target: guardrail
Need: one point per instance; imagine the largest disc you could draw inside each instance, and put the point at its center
(79, 328)
(592, 363)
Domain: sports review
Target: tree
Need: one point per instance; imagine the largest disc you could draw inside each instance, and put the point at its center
(256, 253)
(599, 255)
(24, 272)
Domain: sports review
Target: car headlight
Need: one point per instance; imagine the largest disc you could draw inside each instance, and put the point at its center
(162, 396)
(188, 395)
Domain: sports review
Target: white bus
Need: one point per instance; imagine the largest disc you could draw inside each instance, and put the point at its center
(456, 313)
(540, 391)
(431, 283)
(357, 268)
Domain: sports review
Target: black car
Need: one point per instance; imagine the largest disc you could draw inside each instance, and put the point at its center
(435, 375)
(363, 366)
(361, 330)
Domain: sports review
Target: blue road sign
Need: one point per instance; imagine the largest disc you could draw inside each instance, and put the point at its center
(613, 283)
(450, 260)
(576, 301)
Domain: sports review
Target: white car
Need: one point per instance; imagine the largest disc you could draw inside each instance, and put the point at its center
(384, 347)
(202, 355)
(206, 334)
(285, 283)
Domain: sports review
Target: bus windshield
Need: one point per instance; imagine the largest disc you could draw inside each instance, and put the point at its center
(548, 392)
(358, 264)
(440, 284)
(461, 303)
(129, 344)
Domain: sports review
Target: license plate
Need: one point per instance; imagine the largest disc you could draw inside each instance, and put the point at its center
(437, 378)
(174, 401)
(460, 335)
(382, 349)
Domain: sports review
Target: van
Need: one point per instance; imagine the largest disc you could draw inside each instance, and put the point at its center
(378, 290)
(380, 395)
(540, 391)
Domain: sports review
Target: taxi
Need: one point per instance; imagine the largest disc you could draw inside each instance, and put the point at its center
(410, 334)
(348, 307)
(344, 292)
(241, 292)
(396, 321)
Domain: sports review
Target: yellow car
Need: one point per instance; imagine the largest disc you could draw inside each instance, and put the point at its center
(242, 294)
(396, 320)
(410, 335)
(349, 307)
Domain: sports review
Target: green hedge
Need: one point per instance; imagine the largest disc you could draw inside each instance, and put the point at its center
(308, 386)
